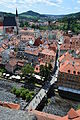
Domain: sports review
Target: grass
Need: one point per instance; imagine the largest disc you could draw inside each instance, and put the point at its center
(22, 81)
(37, 85)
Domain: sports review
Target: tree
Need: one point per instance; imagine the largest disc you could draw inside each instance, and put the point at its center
(42, 71)
(33, 26)
(24, 93)
(27, 69)
(45, 72)
(50, 66)
(28, 97)
(17, 92)
(13, 90)
(21, 24)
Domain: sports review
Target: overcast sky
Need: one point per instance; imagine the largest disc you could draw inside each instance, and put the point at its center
(55, 7)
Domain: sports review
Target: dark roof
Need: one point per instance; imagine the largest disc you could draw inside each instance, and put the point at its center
(9, 21)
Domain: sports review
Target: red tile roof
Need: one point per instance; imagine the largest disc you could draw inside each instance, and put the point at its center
(71, 115)
(70, 66)
(10, 105)
(45, 116)
(66, 56)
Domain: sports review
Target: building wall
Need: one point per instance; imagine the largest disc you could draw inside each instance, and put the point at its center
(69, 80)
(47, 58)
(31, 58)
(10, 68)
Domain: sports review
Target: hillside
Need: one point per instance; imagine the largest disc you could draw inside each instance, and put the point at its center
(35, 15)
(31, 14)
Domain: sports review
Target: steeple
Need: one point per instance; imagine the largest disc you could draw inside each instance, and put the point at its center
(16, 13)
(17, 21)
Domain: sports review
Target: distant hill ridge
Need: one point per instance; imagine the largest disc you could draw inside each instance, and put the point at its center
(33, 15)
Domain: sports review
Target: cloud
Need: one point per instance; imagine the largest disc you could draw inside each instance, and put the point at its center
(78, 1)
(31, 2)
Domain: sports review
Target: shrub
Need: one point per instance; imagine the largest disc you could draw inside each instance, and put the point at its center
(28, 97)
(22, 89)
(24, 93)
(13, 90)
(32, 93)
(18, 92)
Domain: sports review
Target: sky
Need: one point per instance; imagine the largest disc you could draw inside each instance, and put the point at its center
(54, 7)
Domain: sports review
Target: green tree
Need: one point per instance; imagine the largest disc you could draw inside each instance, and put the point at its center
(33, 26)
(28, 97)
(45, 72)
(50, 66)
(24, 93)
(17, 92)
(13, 90)
(27, 69)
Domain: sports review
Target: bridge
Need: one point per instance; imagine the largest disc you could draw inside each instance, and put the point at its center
(44, 90)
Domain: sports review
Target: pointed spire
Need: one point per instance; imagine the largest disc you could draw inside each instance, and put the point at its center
(16, 13)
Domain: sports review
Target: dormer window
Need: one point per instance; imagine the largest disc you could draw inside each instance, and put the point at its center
(78, 73)
(76, 42)
(68, 71)
(37, 68)
(74, 72)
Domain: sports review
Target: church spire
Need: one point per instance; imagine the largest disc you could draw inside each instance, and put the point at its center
(16, 13)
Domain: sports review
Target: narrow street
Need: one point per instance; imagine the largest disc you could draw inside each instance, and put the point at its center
(43, 92)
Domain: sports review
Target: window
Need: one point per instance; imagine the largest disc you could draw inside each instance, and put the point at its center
(78, 73)
(68, 71)
(37, 68)
(74, 72)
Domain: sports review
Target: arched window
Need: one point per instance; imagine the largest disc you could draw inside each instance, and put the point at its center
(68, 71)
(78, 73)
(74, 72)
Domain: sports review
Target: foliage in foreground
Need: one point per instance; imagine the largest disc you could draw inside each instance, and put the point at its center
(23, 93)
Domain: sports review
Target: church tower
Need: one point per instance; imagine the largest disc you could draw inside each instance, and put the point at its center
(17, 21)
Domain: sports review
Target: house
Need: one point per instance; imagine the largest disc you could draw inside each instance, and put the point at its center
(11, 24)
(65, 56)
(11, 65)
(69, 79)
(47, 55)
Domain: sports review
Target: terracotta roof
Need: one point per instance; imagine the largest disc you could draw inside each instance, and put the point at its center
(10, 105)
(72, 114)
(65, 47)
(66, 56)
(48, 52)
(45, 116)
(70, 66)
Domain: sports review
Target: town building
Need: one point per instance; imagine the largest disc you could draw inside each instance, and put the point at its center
(69, 77)
(9, 24)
